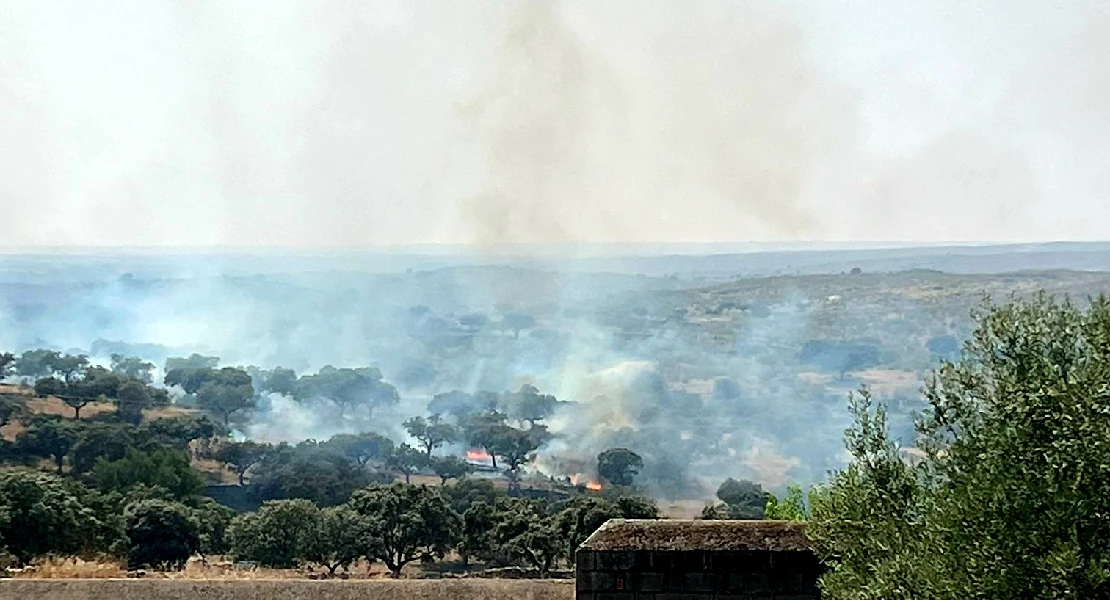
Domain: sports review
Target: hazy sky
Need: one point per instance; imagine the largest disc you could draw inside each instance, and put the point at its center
(331, 123)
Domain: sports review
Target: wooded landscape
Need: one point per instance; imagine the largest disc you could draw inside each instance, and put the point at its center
(990, 478)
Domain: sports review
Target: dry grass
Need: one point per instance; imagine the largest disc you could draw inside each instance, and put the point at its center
(195, 569)
(682, 509)
(12, 430)
(72, 568)
(169, 412)
(428, 480)
(48, 406)
(54, 406)
(455, 589)
(215, 471)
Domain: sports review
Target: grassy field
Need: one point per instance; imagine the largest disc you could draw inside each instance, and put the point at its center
(147, 589)
(196, 569)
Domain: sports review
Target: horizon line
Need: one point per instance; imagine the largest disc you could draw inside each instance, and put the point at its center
(527, 249)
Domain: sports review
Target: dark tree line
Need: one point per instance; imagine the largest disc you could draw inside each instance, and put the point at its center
(398, 524)
(124, 484)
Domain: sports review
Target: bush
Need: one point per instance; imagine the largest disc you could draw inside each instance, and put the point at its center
(214, 519)
(165, 468)
(44, 514)
(278, 535)
(1010, 494)
(743, 499)
(162, 534)
(308, 471)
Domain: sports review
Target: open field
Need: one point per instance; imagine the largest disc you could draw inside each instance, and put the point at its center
(408, 589)
(196, 570)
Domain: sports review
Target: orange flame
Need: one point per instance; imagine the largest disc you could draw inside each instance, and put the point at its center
(477, 455)
(578, 479)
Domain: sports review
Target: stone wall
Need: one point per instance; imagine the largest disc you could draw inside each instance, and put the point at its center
(164, 589)
(696, 575)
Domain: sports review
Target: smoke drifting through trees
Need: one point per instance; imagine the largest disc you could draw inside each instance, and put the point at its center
(561, 122)
(636, 362)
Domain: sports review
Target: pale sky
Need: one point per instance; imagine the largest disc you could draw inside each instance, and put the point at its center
(334, 123)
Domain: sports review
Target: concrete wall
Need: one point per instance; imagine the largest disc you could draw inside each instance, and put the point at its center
(165, 589)
(696, 575)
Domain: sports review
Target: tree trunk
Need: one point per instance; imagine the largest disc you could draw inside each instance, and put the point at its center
(77, 411)
(60, 460)
(492, 457)
(241, 475)
(395, 568)
(407, 482)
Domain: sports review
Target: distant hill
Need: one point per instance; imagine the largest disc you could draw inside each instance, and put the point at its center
(684, 261)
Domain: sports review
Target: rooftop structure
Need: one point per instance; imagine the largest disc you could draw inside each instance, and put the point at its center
(696, 560)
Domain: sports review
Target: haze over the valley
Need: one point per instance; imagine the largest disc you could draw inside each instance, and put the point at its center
(699, 225)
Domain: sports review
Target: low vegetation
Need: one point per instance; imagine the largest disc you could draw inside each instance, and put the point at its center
(1008, 492)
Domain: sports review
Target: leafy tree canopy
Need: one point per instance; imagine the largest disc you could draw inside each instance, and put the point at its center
(580, 518)
(1007, 492)
(278, 535)
(97, 441)
(347, 388)
(412, 522)
(528, 404)
(431, 433)
(44, 514)
(178, 432)
(619, 466)
(744, 499)
(165, 468)
(133, 368)
(12, 406)
(7, 365)
(407, 461)
(49, 438)
(524, 532)
(451, 467)
(362, 448)
(240, 457)
(309, 470)
(227, 394)
(792, 507)
(162, 534)
(192, 362)
(338, 537)
(279, 381)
